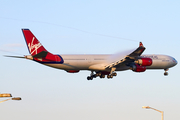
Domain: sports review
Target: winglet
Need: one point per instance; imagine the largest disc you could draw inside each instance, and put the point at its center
(140, 44)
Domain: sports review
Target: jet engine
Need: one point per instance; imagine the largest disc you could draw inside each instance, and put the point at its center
(144, 62)
(137, 68)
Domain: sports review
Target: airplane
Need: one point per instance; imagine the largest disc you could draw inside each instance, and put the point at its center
(100, 65)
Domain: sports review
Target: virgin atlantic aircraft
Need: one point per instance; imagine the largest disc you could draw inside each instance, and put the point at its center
(100, 65)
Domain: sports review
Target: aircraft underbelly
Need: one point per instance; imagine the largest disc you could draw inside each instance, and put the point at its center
(73, 65)
(68, 66)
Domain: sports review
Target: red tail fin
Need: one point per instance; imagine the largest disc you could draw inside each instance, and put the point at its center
(32, 42)
(38, 52)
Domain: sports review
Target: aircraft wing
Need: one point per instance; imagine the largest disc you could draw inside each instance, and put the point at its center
(126, 58)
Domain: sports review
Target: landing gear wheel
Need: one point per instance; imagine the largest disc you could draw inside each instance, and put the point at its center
(111, 76)
(108, 76)
(98, 74)
(114, 74)
(94, 76)
(89, 78)
(102, 76)
(166, 74)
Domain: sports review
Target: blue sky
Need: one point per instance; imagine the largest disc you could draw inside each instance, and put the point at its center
(82, 27)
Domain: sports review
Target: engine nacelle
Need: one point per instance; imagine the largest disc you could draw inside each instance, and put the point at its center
(72, 71)
(137, 68)
(144, 61)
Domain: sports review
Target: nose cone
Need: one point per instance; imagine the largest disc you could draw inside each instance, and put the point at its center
(174, 61)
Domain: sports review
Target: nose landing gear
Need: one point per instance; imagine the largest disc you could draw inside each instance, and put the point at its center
(166, 73)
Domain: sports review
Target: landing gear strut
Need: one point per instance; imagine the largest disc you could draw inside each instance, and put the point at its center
(112, 73)
(166, 73)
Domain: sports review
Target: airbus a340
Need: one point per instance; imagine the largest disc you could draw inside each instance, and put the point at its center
(99, 65)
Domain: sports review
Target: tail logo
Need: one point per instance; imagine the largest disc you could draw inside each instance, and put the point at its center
(34, 47)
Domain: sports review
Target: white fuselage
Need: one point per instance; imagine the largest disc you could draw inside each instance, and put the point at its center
(97, 62)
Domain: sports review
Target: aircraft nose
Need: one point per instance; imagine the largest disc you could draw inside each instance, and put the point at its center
(174, 61)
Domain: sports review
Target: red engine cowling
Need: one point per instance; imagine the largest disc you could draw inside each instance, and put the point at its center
(72, 71)
(137, 68)
(144, 62)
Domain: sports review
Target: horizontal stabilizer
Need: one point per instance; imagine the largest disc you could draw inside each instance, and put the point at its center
(14, 56)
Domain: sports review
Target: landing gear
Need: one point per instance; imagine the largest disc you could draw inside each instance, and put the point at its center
(114, 74)
(166, 73)
(108, 76)
(89, 78)
(101, 75)
(111, 75)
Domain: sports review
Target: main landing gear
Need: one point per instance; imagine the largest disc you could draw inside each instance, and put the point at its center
(166, 73)
(111, 75)
(101, 75)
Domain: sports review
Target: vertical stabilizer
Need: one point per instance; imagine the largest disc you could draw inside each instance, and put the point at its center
(37, 51)
(34, 46)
